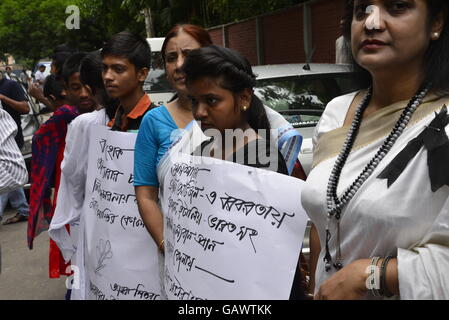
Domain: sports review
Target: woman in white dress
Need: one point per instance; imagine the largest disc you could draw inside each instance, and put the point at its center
(378, 193)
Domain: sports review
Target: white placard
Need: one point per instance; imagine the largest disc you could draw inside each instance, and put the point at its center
(231, 231)
(121, 259)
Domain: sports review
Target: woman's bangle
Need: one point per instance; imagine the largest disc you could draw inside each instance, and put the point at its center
(161, 245)
(374, 284)
(383, 278)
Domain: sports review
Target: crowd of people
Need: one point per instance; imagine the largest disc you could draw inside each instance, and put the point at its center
(378, 193)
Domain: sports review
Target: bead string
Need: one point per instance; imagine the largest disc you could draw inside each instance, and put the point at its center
(335, 204)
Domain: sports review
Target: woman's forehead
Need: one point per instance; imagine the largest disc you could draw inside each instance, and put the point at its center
(182, 41)
(206, 84)
(386, 2)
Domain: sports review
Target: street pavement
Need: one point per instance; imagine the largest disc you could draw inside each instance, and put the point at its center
(24, 272)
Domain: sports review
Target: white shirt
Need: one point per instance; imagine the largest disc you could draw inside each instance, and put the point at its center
(13, 172)
(406, 220)
(39, 77)
(71, 194)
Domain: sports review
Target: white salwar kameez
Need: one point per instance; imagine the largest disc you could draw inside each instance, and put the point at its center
(71, 197)
(407, 220)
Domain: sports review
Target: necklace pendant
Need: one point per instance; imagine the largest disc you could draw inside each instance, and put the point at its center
(334, 210)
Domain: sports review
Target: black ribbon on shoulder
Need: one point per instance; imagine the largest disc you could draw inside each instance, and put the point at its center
(436, 141)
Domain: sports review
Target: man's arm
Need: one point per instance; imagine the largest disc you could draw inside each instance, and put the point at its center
(38, 94)
(12, 165)
(20, 106)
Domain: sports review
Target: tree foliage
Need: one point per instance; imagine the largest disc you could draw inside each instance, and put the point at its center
(30, 29)
(100, 19)
(206, 13)
(226, 11)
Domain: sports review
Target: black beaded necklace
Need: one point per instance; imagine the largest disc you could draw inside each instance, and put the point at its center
(335, 204)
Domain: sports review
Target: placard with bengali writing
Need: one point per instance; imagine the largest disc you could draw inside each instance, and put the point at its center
(231, 231)
(121, 258)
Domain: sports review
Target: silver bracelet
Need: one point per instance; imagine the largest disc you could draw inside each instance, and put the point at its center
(375, 277)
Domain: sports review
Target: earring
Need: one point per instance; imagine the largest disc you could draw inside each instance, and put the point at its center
(244, 108)
(435, 36)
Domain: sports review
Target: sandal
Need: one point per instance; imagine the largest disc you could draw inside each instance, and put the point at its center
(15, 219)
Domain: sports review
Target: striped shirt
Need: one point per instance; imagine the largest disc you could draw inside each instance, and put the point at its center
(13, 172)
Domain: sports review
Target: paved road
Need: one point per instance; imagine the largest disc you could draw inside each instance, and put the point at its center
(24, 272)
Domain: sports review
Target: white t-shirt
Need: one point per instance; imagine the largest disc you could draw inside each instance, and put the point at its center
(39, 77)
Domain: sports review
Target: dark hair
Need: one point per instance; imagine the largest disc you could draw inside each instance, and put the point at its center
(91, 75)
(196, 32)
(53, 86)
(436, 58)
(59, 59)
(130, 46)
(91, 68)
(235, 74)
(64, 48)
(72, 65)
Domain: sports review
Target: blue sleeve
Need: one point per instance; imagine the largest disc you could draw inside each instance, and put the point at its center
(145, 154)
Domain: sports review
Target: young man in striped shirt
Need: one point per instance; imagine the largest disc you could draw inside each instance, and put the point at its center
(15, 103)
(13, 173)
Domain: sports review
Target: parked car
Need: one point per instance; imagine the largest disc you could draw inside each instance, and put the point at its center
(300, 93)
(156, 84)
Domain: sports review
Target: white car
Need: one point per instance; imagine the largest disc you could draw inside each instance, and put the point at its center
(296, 92)
(300, 92)
(156, 85)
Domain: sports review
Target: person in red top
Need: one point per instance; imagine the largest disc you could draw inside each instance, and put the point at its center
(48, 152)
(126, 64)
(48, 149)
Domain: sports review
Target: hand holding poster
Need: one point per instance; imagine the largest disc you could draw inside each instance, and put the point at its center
(121, 259)
(231, 231)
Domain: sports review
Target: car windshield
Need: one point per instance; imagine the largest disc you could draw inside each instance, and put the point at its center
(156, 80)
(302, 99)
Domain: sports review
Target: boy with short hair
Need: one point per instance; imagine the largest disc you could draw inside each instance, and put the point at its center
(54, 92)
(126, 61)
(48, 152)
(77, 94)
(126, 64)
